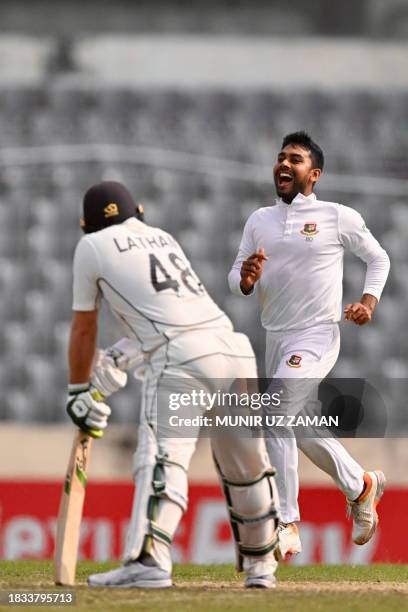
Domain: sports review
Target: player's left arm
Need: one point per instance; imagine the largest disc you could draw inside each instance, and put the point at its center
(84, 326)
(82, 345)
(356, 237)
(361, 312)
(85, 405)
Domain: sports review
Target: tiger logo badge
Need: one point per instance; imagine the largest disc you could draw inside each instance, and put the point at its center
(294, 361)
(309, 229)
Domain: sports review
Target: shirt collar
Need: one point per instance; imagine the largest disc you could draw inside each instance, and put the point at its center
(135, 223)
(298, 200)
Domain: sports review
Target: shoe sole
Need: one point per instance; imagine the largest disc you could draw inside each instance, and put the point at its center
(260, 584)
(289, 553)
(381, 482)
(140, 584)
(279, 556)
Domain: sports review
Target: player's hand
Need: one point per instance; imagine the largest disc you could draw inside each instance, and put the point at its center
(359, 313)
(87, 410)
(107, 378)
(251, 270)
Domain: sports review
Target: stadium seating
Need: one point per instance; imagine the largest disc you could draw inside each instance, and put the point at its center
(202, 201)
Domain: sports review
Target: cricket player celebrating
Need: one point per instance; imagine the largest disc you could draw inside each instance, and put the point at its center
(147, 281)
(291, 255)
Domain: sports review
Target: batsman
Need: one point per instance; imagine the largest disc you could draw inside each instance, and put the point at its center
(147, 281)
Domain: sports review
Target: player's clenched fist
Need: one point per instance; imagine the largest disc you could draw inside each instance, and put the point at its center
(358, 313)
(87, 410)
(251, 270)
(361, 312)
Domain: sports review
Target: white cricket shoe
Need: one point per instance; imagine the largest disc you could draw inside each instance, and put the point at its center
(133, 575)
(260, 574)
(288, 541)
(363, 510)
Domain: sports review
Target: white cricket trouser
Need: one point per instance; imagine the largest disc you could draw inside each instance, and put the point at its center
(161, 461)
(318, 348)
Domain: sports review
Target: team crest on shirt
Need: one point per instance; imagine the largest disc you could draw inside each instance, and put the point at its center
(294, 361)
(309, 229)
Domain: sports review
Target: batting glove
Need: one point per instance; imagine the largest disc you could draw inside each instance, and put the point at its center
(87, 410)
(107, 378)
(126, 354)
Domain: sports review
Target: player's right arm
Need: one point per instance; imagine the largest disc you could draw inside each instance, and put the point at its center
(251, 271)
(248, 265)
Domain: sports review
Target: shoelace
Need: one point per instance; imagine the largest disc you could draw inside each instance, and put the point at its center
(282, 526)
(361, 514)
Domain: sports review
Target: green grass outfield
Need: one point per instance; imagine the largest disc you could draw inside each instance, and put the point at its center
(318, 588)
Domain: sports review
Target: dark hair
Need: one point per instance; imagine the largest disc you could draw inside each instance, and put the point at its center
(304, 140)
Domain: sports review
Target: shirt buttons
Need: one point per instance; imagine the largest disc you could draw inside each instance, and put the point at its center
(288, 222)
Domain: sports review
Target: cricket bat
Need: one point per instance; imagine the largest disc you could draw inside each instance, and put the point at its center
(70, 511)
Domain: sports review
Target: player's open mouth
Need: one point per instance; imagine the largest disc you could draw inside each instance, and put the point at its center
(284, 178)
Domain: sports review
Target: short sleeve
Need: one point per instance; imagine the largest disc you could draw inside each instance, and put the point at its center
(86, 272)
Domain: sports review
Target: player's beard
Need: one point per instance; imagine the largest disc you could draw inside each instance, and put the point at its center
(291, 191)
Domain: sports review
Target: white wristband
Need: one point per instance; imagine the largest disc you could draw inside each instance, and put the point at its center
(78, 388)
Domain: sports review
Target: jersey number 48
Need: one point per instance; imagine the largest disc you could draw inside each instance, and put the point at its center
(181, 269)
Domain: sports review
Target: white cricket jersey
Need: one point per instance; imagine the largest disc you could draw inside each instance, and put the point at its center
(146, 280)
(302, 281)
